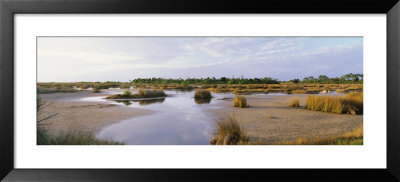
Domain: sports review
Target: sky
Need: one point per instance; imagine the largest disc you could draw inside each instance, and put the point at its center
(70, 59)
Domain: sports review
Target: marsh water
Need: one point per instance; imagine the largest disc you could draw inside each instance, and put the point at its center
(178, 119)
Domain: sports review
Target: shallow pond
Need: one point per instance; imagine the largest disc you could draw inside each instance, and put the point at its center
(178, 119)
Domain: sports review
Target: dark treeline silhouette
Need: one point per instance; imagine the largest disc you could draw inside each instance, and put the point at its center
(348, 78)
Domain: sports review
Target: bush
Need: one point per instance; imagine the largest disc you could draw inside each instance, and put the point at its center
(202, 94)
(240, 101)
(151, 93)
(294, 102)
(229, 132)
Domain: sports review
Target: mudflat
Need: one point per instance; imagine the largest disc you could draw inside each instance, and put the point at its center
(269, 118)
(74, 113)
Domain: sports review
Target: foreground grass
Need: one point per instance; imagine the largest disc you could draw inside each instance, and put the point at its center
(229, 132)
(351, 103)
(354, 137)
(71, 138)
(141, 94)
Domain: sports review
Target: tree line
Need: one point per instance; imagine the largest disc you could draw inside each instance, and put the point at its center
(323, 79)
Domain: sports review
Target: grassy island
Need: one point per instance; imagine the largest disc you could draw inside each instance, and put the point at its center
(140, 95)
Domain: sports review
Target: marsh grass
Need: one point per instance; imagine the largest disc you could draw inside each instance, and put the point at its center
(43, 90)
(229, 132)
(240, 101)
(354, 137)
(71, 138)
(294, 102)
(340, 90)
(202, 94)
(298, 92)
(351, 103)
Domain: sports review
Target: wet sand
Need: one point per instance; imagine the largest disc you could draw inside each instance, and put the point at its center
(270, 119)
(74, 114)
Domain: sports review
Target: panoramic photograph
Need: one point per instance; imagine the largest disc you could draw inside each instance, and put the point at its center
(199, 91)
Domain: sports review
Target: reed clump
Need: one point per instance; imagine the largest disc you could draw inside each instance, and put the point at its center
(294, 102)
(229, 132)
(240, 101)
(351, 103)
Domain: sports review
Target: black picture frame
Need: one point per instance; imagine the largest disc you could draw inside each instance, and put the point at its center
(8, 8)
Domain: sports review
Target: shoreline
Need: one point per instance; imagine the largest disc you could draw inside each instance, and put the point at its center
(74, 114)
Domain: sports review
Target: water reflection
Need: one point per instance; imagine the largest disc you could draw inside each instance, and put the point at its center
(202, 101)
(176, 120)
(151, 101)
(125, 102)
(141, 102)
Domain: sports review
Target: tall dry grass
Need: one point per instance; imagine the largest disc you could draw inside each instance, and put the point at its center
(240, 101)
(229, 132)
(294, 102)
(351, 103)
(71, 138)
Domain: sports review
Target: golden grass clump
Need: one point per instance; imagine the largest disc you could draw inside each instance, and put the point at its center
(202, 94)
(229, 132)
(351, 103)
(354, 102)
(294, 102)
(240, 101)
